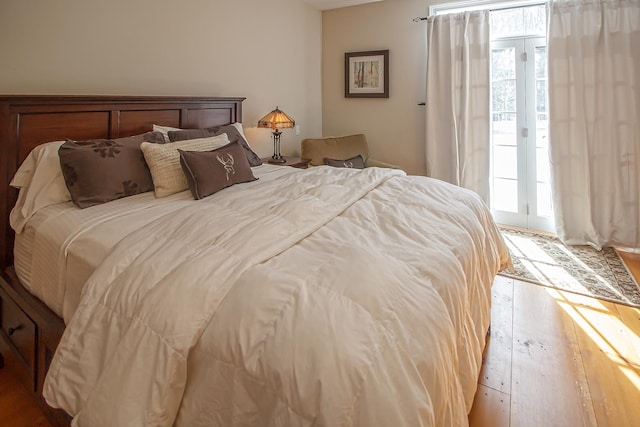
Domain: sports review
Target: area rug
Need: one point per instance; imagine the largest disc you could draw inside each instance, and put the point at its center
(545, 260)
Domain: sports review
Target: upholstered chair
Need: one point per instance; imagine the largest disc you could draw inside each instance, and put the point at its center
(339, 148)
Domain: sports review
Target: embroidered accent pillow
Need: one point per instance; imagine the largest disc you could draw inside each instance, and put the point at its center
(164, 162)
(210, 171)
(355, 162)
(101, 170)
(232, 131)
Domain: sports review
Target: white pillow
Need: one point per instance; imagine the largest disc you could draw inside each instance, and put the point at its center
(164, 130)
(41, 184)
(164, 161)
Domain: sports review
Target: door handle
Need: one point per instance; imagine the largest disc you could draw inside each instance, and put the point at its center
(12, 331)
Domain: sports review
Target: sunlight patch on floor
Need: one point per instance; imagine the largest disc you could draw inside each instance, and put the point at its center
(523, 247)
(577, 260)
(632, 375)
(618, 342)
(546, 269)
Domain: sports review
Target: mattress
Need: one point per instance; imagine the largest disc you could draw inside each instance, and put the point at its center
(61, 245)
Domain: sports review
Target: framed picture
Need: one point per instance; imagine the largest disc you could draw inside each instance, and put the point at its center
(366, 74)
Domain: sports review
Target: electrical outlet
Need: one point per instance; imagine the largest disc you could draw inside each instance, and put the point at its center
(297, 130)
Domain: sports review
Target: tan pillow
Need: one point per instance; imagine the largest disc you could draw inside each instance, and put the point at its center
(210, 171)
(164, 162)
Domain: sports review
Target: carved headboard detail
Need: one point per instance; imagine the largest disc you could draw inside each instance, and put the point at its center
(27, 121)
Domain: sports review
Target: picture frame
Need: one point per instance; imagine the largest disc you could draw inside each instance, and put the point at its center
(366, 74)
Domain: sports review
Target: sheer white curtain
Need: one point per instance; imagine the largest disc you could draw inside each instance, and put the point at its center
(594, 105)
(458, 116)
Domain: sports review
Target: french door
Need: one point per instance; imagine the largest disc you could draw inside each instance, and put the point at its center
(521, 188)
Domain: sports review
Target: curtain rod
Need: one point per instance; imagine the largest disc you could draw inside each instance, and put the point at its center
(496, 7)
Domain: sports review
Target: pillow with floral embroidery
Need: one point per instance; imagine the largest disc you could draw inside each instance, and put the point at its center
(101, 170)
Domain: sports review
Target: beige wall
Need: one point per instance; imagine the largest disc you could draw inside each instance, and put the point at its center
(169, 47)
(394, 126)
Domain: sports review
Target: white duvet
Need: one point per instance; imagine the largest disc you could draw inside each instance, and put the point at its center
(327, 297)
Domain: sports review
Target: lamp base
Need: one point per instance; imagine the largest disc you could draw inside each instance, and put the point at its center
(279, 161)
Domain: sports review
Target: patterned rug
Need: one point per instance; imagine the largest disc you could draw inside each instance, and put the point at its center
(545, 260)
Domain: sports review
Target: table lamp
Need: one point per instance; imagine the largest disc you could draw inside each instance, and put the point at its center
(276, 120)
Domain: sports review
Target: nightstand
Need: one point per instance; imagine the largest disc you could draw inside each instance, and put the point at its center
(295, 162)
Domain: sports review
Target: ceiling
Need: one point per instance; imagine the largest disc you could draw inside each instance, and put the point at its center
(335, 4)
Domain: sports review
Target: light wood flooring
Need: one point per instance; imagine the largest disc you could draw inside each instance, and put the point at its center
(632, 260)
(559, 359)
(553, 359)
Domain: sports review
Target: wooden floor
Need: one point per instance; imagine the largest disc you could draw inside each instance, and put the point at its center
(553, 359)
(18, 408)
(559, 359)
(632, 260)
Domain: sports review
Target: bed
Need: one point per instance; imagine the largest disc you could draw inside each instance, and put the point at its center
(323, 296)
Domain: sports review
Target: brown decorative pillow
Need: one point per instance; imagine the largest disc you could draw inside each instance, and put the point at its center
(100, 170)
(208, 172)
(354, 162)
(232, 133)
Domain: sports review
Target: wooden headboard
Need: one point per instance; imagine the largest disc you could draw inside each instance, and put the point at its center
(27, 121)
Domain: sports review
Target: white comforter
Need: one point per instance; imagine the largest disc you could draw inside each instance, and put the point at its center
(328, 297)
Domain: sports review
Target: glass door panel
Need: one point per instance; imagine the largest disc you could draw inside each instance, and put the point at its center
(520, 178)
(542, 210)
(507, 186)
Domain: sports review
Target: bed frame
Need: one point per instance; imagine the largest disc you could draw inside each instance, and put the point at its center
(29, 328)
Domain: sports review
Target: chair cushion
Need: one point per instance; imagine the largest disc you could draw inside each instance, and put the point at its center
(339, 148)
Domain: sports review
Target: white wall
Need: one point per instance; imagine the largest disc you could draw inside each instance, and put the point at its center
(395, 127)
(169, 47)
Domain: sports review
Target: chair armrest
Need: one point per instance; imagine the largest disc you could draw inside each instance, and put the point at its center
(372, 163)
